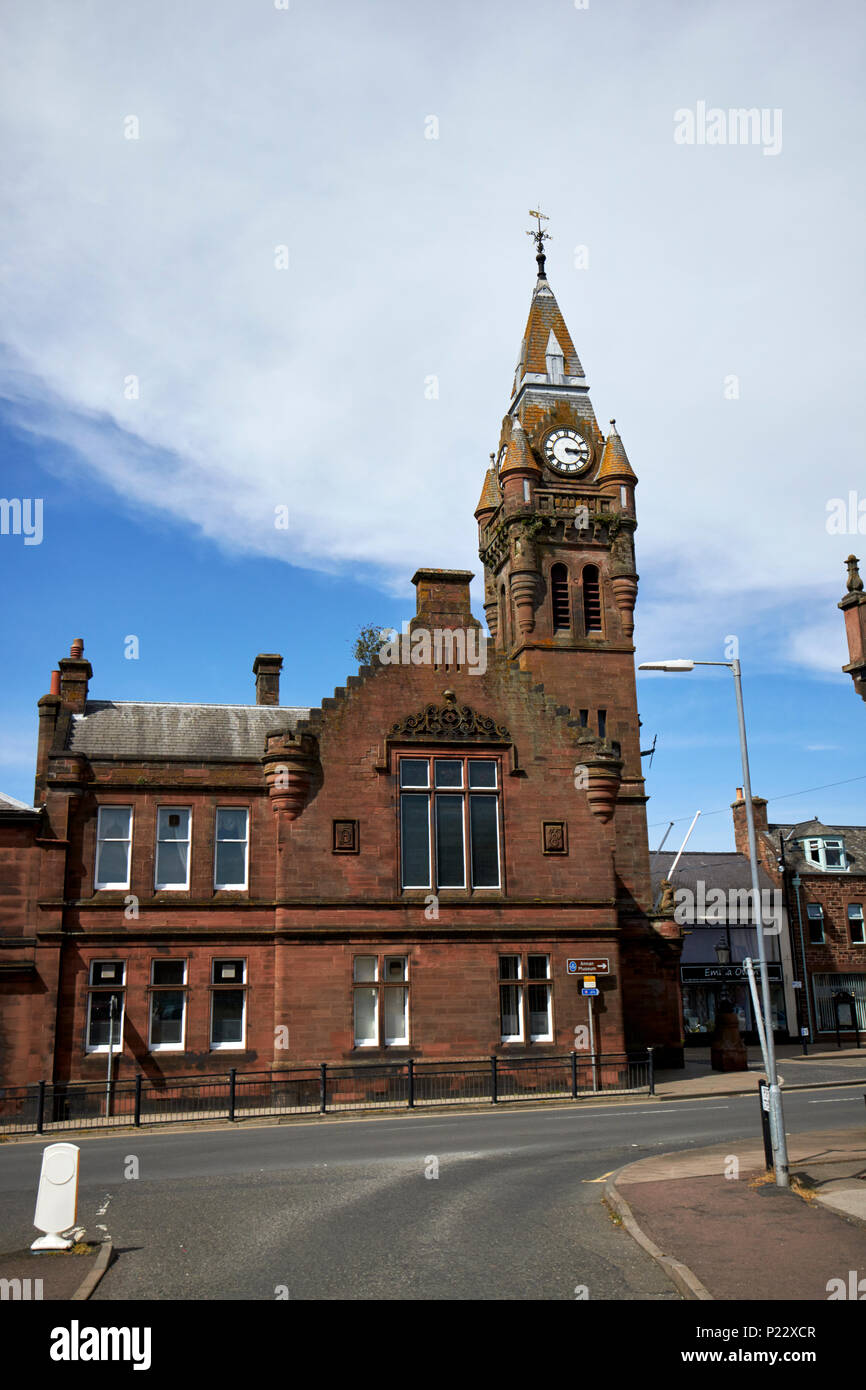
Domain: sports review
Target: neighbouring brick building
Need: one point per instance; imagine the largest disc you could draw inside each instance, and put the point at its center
(27, 977)
(713, 901)
(402, 872)
(821, 871)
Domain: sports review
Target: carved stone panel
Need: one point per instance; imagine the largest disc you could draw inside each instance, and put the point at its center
(345, 837)
(554, 837)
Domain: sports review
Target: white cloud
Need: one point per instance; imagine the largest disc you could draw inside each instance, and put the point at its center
(259, 127)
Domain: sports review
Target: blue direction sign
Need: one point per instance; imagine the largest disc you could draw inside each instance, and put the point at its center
(589, 991)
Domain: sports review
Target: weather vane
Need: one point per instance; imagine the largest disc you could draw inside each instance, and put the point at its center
(540, 237)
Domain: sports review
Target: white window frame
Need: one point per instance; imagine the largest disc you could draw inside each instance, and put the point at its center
(820, 844)
(223, 986)
(166, 989)
(546, 982)
(174, 887)
(357, 986)
(233, 887)
(380, 986)
(856, 917)
(503, 984)
(385, 985)
(112, 839)
(118, 988)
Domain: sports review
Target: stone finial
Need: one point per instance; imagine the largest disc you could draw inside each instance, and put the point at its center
(855, 583)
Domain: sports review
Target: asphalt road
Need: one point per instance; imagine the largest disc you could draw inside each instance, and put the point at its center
(352, 1209)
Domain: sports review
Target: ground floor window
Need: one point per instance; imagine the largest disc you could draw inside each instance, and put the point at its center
(105, 1002)
(381, 1000)
(167, 1005)
(700, 1006)
(525, 999)
(228, 1004)
(825, 986)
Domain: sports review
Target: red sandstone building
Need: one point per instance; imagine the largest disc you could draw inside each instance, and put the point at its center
(402, 872)
(821, 872)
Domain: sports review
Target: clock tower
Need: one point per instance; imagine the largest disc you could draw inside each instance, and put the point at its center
(556, 517)
(556, 524)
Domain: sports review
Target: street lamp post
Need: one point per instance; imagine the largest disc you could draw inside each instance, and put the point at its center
(777, 1123)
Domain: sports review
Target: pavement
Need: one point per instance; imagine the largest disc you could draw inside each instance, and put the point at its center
(824, 1067)
(719, 1226)
(54, 1275)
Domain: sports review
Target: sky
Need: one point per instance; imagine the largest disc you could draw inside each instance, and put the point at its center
(267, 260)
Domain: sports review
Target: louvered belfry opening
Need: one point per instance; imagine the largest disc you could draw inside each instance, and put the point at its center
(591, 600)
(559, 598)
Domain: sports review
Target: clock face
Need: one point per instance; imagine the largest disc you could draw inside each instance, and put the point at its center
(567, 451)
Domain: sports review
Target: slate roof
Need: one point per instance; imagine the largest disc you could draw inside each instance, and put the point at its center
(136, 729)
(716, 869)
(11, 806)
(852, 836)
(544, 316)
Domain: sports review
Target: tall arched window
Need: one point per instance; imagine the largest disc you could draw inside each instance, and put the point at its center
(559, 598)
(504, 632)
(591, 601)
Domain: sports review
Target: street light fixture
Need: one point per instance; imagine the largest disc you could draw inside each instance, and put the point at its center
(777, 1123)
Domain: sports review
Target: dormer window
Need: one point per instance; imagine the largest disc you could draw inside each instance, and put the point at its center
(826, 853)
(554, 360)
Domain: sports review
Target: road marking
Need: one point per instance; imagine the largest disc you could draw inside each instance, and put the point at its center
(843, 1100)
(603, 1177)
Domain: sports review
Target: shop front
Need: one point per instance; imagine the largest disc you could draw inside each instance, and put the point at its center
(704, 985)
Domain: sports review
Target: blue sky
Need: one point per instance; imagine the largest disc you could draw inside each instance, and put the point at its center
(268, 136)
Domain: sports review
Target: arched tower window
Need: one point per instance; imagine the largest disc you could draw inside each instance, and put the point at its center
(591, 601)
(559, 598)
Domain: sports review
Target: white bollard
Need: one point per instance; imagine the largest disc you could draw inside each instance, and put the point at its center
(57, 1198)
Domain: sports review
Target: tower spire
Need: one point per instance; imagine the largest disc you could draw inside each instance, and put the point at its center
(540, 237)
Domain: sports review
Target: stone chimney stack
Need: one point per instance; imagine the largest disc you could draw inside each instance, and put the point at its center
(741, 829)
(49, 708)
(75, 673)
(266, 669)
(442, 599)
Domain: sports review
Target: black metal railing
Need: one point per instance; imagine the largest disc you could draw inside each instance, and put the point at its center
(325, 1088)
